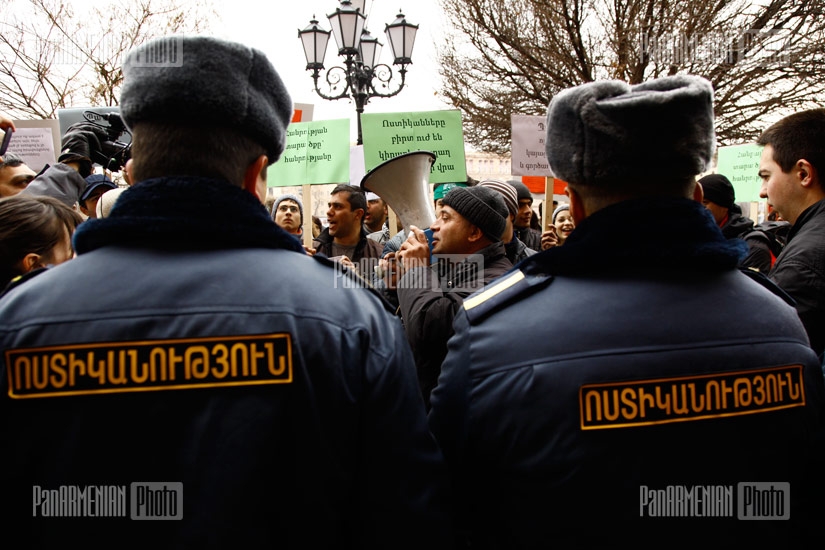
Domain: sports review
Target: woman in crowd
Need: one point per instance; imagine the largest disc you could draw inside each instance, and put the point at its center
(559, 229)
(35, 233)
(563, 221)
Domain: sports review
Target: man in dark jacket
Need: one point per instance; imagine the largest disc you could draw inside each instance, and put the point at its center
(469, 255)
(641, 392)
(521, 224)
(345, 239)
(720, 199)
(791, 168)
(192, 389)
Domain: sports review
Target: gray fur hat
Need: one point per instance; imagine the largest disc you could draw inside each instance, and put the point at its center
(607, 133)
(482, 207)
(203, 80)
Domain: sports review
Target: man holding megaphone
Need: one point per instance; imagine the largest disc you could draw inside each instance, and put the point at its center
(467, 254)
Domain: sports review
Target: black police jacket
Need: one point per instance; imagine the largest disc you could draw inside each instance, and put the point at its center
(193, 365)
(639, 392)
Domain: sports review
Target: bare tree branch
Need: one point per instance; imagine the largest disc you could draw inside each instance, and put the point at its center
(52, 59)
(512, 57)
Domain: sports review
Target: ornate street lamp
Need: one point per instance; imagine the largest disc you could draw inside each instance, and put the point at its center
(361, 77)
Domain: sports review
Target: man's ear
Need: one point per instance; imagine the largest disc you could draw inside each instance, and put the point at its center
(577, 209)
(83, 208)
(127, 172)
(475, 234)
(805, 171)
(254, 180)
(698, 193)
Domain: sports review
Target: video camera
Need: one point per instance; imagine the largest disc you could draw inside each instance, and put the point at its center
(114, 153)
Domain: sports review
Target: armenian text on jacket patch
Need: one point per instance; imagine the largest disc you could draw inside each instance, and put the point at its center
(681, 399)
(150, 365)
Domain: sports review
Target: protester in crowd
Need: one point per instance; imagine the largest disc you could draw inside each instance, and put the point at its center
(383, 236)
(35, 233)
(720, 200)
(317, 227)
(345, 239)
(563, 222)
(376, 214)
(791, 168)
(385, 279)
(513, 247)
(288, 214)
(666, 373)
(529, 236)
(560, 226)
(96, 185)
(469, 254)
(107, 201)
(216, 365)
(15, 174)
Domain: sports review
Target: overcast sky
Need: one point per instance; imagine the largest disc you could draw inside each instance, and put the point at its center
(273, 28)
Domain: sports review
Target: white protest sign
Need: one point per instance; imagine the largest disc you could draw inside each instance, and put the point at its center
(528, 154)
(35, 143)
(357, 168)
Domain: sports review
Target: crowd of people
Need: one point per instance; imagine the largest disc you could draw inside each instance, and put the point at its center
(477, 384)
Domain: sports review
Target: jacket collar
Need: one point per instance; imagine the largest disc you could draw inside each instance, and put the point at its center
(185, 212)
(325, 238)
(667, 234)
(813, 211)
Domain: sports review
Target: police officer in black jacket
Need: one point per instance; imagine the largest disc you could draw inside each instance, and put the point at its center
(657, 397)
(186, 402)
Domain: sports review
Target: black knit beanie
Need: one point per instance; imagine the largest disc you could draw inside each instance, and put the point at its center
(718, 189)
(522, 190)
(482, 207)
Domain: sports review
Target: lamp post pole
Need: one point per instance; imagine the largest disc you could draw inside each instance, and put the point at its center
(360, 78)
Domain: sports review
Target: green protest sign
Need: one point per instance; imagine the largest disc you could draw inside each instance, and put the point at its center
(740, 164)
(316, 152)
(387, 135)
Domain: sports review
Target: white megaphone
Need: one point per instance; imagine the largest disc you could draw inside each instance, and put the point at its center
(404, 182)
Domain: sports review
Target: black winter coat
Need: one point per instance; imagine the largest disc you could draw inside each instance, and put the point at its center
(193, 342)
(429, 301)
(800, 271)
(610, 392)
(740, 227)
